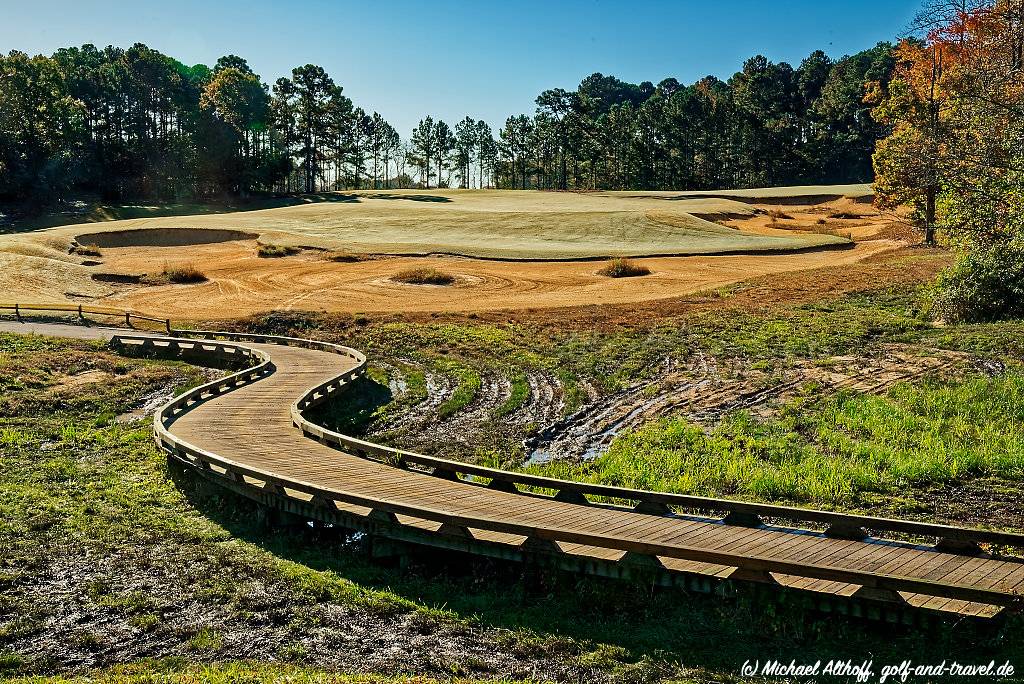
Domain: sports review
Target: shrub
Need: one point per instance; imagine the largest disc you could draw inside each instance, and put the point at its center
(268, 251)
(187, 273)
(778, 214)
(343, 257)
(985, 284)
(91, 249)
(623, 268)
(424, 275)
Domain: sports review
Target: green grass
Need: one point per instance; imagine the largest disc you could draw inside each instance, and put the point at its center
(468, 385)
(178, 671)
(829, 450)
(519, 392)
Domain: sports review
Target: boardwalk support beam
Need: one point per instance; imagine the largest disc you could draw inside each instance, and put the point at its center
(964, 548)
(750, 575)
(846, 531)
(879, 594)
(571, 496)
(652, 508)
(743, 519)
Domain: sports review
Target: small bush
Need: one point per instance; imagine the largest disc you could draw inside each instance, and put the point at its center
(344, 257)
(985, 284)
(778, 214)
(623, 268)
(187, 273)
(91, 249)
(424, 275)
(268, 251)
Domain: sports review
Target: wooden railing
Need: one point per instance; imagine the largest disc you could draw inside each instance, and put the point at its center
(538, 537)
(947, 538)
(22, 311)
(225, 346)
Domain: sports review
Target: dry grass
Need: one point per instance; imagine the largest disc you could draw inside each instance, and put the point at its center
(623, 268)
(425, 275)
(344, 257)
(92, 250)
(184, 274)
(270, 251)
(778, 214)
(844, 215)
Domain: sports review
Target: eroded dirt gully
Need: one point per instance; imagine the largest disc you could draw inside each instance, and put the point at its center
(701, 390)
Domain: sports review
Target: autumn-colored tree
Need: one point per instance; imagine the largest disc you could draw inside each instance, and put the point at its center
(956, 152)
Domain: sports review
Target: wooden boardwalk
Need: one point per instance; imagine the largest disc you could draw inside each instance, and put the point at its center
(248, 430)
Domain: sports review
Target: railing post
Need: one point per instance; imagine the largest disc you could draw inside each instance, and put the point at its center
(167, 323)
(17, 312)
(81, 314)
(128, 318)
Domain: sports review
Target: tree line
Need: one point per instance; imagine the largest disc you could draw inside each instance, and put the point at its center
(137, 124)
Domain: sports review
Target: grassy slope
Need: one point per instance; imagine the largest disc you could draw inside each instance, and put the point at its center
(494, 224)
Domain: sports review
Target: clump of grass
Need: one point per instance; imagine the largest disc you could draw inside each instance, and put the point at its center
(344, 257)
(266, 250)
(91, 249)
(184, 274)
(465, 392)
(424, 275)
(844, 215)
(207, 639)
(623, 268)
(777, 214)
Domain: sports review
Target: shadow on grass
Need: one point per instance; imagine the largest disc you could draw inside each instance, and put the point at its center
(353, 416)
(553, 611)
(411, 198)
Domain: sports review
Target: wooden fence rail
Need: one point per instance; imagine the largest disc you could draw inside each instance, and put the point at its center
(21, 311)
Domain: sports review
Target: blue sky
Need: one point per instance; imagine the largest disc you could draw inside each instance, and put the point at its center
(449, 59)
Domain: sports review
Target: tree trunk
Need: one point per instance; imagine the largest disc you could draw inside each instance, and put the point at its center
(929, 215)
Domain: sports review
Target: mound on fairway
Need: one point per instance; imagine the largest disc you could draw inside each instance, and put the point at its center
(501, 224)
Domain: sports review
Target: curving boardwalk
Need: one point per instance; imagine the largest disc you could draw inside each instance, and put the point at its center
(247, 432)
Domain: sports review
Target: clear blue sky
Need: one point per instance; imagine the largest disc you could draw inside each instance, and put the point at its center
(449, 59)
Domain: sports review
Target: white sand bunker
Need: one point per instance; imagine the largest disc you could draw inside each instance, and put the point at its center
(163, 237)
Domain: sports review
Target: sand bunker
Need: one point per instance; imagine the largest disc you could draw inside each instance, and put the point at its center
(39, 267)
(162, 237)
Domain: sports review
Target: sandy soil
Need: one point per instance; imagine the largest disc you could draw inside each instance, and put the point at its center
(36, 268)
(242, 284)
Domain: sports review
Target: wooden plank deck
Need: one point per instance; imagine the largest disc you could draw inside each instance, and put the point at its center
(252, 426)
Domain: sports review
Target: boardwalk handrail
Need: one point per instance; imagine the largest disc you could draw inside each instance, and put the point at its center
(231, 346)
(19, 309)
(323, 496)
(841, 525)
